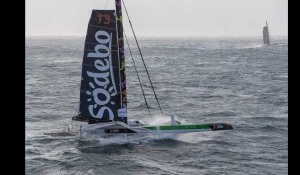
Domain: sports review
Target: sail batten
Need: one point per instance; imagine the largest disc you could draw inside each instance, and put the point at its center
(101, 27)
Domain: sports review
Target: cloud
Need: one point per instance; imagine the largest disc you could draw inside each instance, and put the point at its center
(162, 17)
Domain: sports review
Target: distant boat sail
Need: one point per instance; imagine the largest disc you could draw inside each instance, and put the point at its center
(266, 37)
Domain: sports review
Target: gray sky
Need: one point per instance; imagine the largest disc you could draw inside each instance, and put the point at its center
(208, 18)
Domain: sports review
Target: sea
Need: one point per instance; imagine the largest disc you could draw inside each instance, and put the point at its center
(235, 80)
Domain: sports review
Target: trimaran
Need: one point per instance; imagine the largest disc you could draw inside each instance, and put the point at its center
(103, 97)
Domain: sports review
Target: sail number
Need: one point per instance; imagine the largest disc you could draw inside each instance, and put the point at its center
(103, 18)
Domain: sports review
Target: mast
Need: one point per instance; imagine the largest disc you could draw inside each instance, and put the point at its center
(121, 56)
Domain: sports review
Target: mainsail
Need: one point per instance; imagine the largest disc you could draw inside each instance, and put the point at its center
(100, 98)
(266, 37)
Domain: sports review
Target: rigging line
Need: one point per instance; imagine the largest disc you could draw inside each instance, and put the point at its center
(137, 75)
(142, 57)
(105, 4)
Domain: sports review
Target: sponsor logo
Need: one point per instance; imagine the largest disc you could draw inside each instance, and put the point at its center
(218, 126)
(221, 126)
(122, 112)
(103, 85)
(118, 131)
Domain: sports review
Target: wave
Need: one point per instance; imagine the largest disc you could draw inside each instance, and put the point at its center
(251, 46)
(104, 145)
(220, 114)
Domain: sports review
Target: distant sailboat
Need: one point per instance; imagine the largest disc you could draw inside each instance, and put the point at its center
(266, 37)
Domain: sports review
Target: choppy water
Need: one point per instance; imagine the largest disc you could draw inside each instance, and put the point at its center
(237, 81)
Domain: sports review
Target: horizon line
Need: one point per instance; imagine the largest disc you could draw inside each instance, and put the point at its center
(162, 36)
